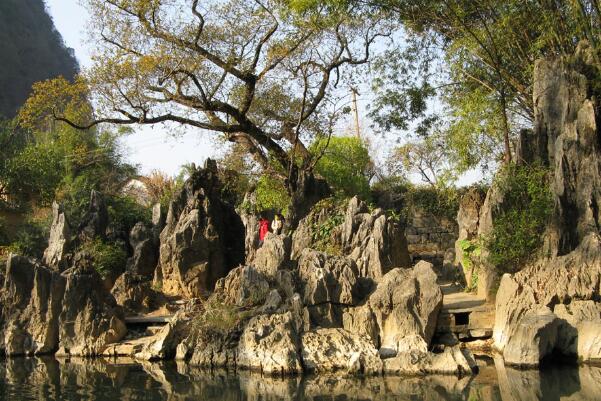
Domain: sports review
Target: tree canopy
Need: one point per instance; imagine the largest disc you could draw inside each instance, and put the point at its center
(250, 71)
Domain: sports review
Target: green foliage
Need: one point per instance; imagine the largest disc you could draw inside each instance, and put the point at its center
(108, 258)
(471, 250)
(125, 212)
(31, 238)
(520, 221)
(271, 195)
(345, 165)
(34, 173)
(322, 230)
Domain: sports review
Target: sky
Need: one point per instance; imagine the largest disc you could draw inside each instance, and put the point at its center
(156, 147)
(150, 147)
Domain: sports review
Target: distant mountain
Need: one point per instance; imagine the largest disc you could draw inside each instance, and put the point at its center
(31, 50)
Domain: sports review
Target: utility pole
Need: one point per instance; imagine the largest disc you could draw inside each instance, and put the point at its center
(356, 110)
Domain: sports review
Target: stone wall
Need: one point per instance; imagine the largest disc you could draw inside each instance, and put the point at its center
(431, 238)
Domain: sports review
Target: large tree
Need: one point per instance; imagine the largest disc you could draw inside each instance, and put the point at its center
(248, 71)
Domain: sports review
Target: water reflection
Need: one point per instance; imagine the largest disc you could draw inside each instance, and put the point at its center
(111, 380)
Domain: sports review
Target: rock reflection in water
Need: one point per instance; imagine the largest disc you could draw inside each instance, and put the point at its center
(104, 380)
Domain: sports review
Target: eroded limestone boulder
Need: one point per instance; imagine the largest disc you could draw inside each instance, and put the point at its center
(59, 241)
(135, 293)
(96, 220)
(580, 330)
(202, 240)
(242, 286)
(452, 360)
(163, 344)
(270, 344)
(31, 305)
(335, 349)
(273, 255)
(534, 338)
(376, 242)
(90, 319)
(145, 251)
(405, 302)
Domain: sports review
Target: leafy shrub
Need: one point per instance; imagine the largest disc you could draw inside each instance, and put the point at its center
(519, 223)
(125, 212)
(271, 195)
(31, 238)
(322, 231)
(395, 193)
(345, 165)
(471, 250)
(107, 257)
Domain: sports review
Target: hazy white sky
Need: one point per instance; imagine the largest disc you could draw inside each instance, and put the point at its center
(149, 147)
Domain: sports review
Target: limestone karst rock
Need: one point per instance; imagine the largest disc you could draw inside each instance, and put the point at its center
(270, 344)
(31, 304)
(59, 241)
(90, 319)
(565, 139)
(405, 302)
(273, 255)
(468, 220)
(335, 349)
(44, 310)
(535, 338)
(202, 240)
(376, 242)
(96, 220)
(373, 240)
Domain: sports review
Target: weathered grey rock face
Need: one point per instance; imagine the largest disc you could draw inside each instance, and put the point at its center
(145, 251)
(565, 138)
(405, 303)
(270, 344)
(163, 344)
(335, 349)
(328, 279)
(90, 319)
(96, 220)
(202, 240)
(580, 330)
(44, 310)
(377, 243)
(59, 241)
(550, 283)
(453, 360)
(242, 285)
(135, 293)
(31, 305)
(534, 338)
(328, 284)
(468, 220)
(374, 241)
(274, 255)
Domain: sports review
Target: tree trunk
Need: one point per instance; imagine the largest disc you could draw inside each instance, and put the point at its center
(505, 128)
(306, 190)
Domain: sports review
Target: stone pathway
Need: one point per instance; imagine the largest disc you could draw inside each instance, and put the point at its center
(465, 314)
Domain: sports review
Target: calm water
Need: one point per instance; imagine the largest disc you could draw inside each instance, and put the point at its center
(101, 380)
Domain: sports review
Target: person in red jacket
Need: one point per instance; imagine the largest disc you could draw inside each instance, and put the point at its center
(263, 229)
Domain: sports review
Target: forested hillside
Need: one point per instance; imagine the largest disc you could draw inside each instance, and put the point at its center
(32, 50)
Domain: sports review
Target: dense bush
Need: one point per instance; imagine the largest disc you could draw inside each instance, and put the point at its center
(520, 221)
(31, 238)
(398, 194)
(271, 194)
(108, 258)
(125, 212)
(345, 164)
